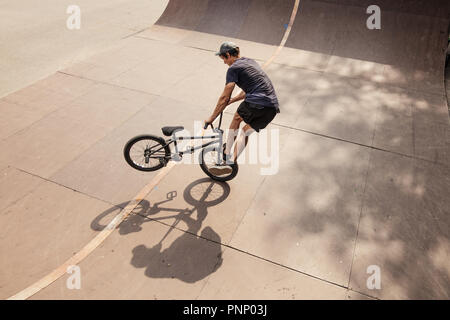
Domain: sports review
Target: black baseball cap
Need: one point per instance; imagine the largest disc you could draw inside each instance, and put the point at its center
(226, 47)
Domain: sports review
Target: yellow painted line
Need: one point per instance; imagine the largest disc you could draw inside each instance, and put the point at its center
(94, 243)
(286, 34)
(285, 37)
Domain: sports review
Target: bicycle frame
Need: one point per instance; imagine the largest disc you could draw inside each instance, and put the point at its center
(219, 140)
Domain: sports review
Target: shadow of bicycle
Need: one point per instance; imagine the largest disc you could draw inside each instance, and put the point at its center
(192, 256)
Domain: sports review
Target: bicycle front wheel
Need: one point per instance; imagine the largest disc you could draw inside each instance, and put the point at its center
(146, 153)
(208, 162)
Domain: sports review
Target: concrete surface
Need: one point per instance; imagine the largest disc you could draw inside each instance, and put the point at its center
(363, 177)
(35, 41)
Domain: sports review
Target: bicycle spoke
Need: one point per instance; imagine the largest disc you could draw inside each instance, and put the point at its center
(143, 164)
(147, 153)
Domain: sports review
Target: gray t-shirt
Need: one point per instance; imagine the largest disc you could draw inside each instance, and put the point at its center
(249, 76)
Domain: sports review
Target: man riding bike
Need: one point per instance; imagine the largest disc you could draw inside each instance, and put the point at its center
(258, 109)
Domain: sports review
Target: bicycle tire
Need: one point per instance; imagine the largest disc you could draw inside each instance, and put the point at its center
(159, 141)
(234, 167)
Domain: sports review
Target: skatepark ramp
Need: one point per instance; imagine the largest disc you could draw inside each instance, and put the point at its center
(411, 42)
(336, 78)
(359, 161)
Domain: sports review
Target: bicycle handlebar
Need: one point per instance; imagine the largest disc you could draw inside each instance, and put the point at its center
(210, 124)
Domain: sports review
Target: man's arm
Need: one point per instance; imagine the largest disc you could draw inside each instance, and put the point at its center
(240, 96)
(224, 100)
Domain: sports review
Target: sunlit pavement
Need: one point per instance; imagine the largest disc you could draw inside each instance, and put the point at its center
(36, 42)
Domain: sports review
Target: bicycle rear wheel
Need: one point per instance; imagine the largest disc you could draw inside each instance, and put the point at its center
(146, 153)
(208, 159)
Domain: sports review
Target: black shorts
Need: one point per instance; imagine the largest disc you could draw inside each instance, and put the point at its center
(256, 116)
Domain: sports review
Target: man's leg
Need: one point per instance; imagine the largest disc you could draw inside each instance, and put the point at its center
(242, 141)
(234, 129)
(232, 133)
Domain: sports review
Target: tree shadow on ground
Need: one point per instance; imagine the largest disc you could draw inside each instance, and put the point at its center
(372, 166)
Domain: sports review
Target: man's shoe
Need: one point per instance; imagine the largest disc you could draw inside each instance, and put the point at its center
(220, 171)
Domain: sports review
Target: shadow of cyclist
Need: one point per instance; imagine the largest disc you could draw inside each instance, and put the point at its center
(193, 255)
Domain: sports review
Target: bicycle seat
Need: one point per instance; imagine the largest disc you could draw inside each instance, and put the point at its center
(168, 131)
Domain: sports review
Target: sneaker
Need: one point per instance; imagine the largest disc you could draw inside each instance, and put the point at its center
(220, 171)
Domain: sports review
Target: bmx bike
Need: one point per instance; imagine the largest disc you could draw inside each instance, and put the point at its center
(151, 153)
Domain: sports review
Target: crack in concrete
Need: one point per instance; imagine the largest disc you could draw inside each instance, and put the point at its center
(255, 256)
(61, 185)
(364, 145)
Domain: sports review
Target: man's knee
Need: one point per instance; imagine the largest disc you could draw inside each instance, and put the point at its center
(248, 130)
(237, 117)
(236, 122)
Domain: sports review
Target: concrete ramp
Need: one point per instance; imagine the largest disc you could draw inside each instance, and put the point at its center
(409, 47)
(373, 108)
(259, 21)
(361, 181)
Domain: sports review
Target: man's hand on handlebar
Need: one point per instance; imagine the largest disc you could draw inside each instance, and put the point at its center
(211, 119)
(208, 122)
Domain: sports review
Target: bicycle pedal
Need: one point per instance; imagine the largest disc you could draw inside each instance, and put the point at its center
(177, 158)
